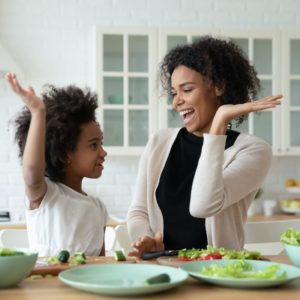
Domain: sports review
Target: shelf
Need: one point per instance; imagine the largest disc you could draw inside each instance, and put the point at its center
(293, 189)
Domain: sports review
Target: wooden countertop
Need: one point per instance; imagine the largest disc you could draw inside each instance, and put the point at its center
(255, 218)
(276, 217)
(52, 288)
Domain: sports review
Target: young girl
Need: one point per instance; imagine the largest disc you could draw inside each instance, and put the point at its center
(60, 143)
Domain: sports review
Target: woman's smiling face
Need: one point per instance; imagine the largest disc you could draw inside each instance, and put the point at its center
(194, 99)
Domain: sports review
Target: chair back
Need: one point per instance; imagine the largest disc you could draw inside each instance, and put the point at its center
(265, 236)
(122, 238)
(14, 238)
(110, 240)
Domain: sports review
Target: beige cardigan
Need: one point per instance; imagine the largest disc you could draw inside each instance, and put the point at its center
(224, 185)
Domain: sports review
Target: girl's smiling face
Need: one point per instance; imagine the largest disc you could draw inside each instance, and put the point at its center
(88, 157)
(194, 99)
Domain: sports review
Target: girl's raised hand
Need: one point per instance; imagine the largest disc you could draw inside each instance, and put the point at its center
(32, 101)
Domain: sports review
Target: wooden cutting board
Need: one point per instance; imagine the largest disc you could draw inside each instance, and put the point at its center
(170, 261)
(48, 269)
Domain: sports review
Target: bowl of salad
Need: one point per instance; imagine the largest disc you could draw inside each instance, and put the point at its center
(291, 240)
(15, 265)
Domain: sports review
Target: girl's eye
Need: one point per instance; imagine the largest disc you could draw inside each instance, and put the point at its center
(187, 90)
(94, 146)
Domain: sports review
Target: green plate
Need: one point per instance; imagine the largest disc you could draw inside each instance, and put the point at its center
(121, 279)
(194, 269)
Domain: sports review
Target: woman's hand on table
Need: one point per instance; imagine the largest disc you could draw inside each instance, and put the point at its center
(147, 244)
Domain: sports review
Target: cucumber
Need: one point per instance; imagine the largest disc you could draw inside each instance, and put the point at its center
(161, 278)
(119, 255)
(63, 256)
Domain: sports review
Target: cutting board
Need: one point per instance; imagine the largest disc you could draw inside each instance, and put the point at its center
(48, 269)
(170, 261)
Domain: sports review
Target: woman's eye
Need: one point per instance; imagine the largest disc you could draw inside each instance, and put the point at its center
(187, 90)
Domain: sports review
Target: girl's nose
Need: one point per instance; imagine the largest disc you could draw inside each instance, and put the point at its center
(102, 152)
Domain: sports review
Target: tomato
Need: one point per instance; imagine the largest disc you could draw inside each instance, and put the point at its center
(183, 258)
(212, 256)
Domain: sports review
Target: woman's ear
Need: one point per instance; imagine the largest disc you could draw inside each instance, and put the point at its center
(218, 92)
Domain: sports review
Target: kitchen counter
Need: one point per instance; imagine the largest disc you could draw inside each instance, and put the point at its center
(113, 222)
(275, 217)
(48, 288)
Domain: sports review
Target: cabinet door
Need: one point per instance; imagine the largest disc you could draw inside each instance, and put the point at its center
(291, 79)
(123, 67)
(263, 53)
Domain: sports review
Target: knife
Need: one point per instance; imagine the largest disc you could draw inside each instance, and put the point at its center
(155, 254)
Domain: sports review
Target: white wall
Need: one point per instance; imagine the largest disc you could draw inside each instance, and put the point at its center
(49, 41)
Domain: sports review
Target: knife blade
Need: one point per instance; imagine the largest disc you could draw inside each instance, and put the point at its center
(155, 254)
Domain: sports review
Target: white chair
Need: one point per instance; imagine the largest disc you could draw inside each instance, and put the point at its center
(265, 236)
(110, 240)
(14, 238)
(122, 238)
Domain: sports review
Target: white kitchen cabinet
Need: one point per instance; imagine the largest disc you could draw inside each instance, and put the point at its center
(291, 91)
(124, 72)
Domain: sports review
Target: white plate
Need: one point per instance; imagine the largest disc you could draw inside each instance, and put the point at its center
(121, 279)
(293, 189)
(194, 269)
(291, 210)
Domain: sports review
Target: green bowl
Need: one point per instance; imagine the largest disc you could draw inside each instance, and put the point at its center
(293, 253)
(13, 269)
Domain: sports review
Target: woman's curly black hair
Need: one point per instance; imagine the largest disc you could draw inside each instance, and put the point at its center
(221, 63)
(67, 109)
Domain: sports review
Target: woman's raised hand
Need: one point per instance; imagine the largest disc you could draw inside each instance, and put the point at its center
(32, 101)
(228, 112)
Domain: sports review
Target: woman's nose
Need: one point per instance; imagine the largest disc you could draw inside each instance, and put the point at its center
(177, 101)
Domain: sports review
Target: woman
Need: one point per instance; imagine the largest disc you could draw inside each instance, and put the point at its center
(196, 183)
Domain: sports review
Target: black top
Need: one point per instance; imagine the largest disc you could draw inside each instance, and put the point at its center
(173, 193)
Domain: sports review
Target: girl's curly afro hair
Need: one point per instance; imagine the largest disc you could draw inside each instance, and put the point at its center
(67, 109)
(220, 62)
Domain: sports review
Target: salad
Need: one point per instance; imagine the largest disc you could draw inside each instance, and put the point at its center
(216, 253)
(10, 252)
(243, 270)
(291, 237)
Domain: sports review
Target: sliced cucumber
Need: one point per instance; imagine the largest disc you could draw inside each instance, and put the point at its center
(63, 256)
(161, 278)
(119, 255)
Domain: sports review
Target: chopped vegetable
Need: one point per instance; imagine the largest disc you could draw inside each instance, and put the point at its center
(53, 260)
(63, 256)
(161, 278)
(78, 258)
(10, 252)
(291, 237)
(215, 253)
(241, 269)
(119, 255)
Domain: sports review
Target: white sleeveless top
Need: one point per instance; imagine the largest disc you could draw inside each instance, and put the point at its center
(66, 220)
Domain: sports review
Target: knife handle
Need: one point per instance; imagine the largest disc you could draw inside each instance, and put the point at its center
(151, 255)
